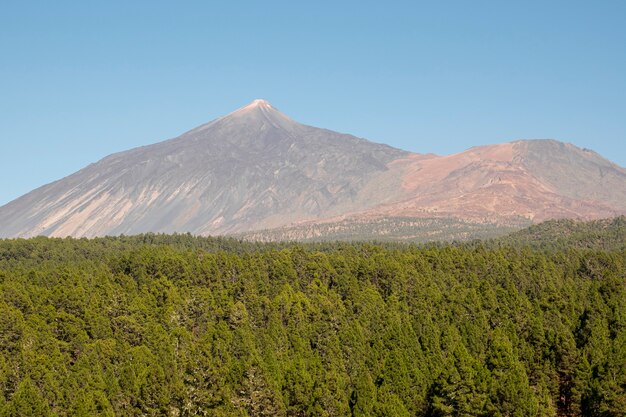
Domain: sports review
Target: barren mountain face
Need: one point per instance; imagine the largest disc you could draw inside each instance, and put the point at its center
(254, 168)
(536, 180)
(257, 169)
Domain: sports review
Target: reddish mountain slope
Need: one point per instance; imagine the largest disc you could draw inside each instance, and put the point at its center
(482, 192)
(537, 180)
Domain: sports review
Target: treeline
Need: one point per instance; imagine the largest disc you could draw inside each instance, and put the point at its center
(551, 235)
(183, 326)
(387, 229)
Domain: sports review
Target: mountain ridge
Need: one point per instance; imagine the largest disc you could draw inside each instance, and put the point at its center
(257, 169)
(254, 166)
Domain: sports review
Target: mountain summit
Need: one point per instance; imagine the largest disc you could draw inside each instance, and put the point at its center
(257, 111)
(257, 169)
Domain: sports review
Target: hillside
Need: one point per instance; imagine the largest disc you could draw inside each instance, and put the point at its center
(257, 172)
(254, 168)
(386, 229)
(534, 180)
(603, 234)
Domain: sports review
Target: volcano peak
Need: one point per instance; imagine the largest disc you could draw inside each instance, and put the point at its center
(259, 102)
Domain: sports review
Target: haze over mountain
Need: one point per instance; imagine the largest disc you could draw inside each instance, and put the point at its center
(257, 169)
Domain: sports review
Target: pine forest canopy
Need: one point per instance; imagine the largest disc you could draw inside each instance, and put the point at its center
(183, 326)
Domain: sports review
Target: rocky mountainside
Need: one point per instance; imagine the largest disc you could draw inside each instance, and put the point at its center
(257, 170)
(252, 169)
(535, 180)
(483, 192)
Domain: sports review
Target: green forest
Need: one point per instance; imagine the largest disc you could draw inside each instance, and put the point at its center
(603, 234)
(160, 325)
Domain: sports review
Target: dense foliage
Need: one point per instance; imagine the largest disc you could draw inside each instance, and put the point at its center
(603, 234)
(178, 325)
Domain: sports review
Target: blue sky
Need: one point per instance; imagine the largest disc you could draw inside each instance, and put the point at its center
(81, 80)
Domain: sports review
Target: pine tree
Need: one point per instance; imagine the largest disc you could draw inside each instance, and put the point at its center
(27, 402)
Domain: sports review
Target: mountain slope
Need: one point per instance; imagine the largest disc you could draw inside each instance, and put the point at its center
(600, 235)
(536, 180)
(483, 192)
(255, 168)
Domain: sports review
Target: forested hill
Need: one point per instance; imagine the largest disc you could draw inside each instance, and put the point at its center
(184, 326)
(604, 234)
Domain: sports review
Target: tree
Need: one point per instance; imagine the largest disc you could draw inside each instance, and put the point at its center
(27, 402)
(510, 394)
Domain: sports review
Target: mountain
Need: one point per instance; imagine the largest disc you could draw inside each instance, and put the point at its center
(256, 170)
(480, 193)
(535, 180)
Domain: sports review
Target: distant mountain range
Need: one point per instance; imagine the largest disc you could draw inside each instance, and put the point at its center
(259, 174)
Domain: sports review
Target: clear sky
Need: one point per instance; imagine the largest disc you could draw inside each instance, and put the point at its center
(82, 79)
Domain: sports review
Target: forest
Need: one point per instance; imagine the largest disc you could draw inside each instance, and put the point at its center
(178, 325)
